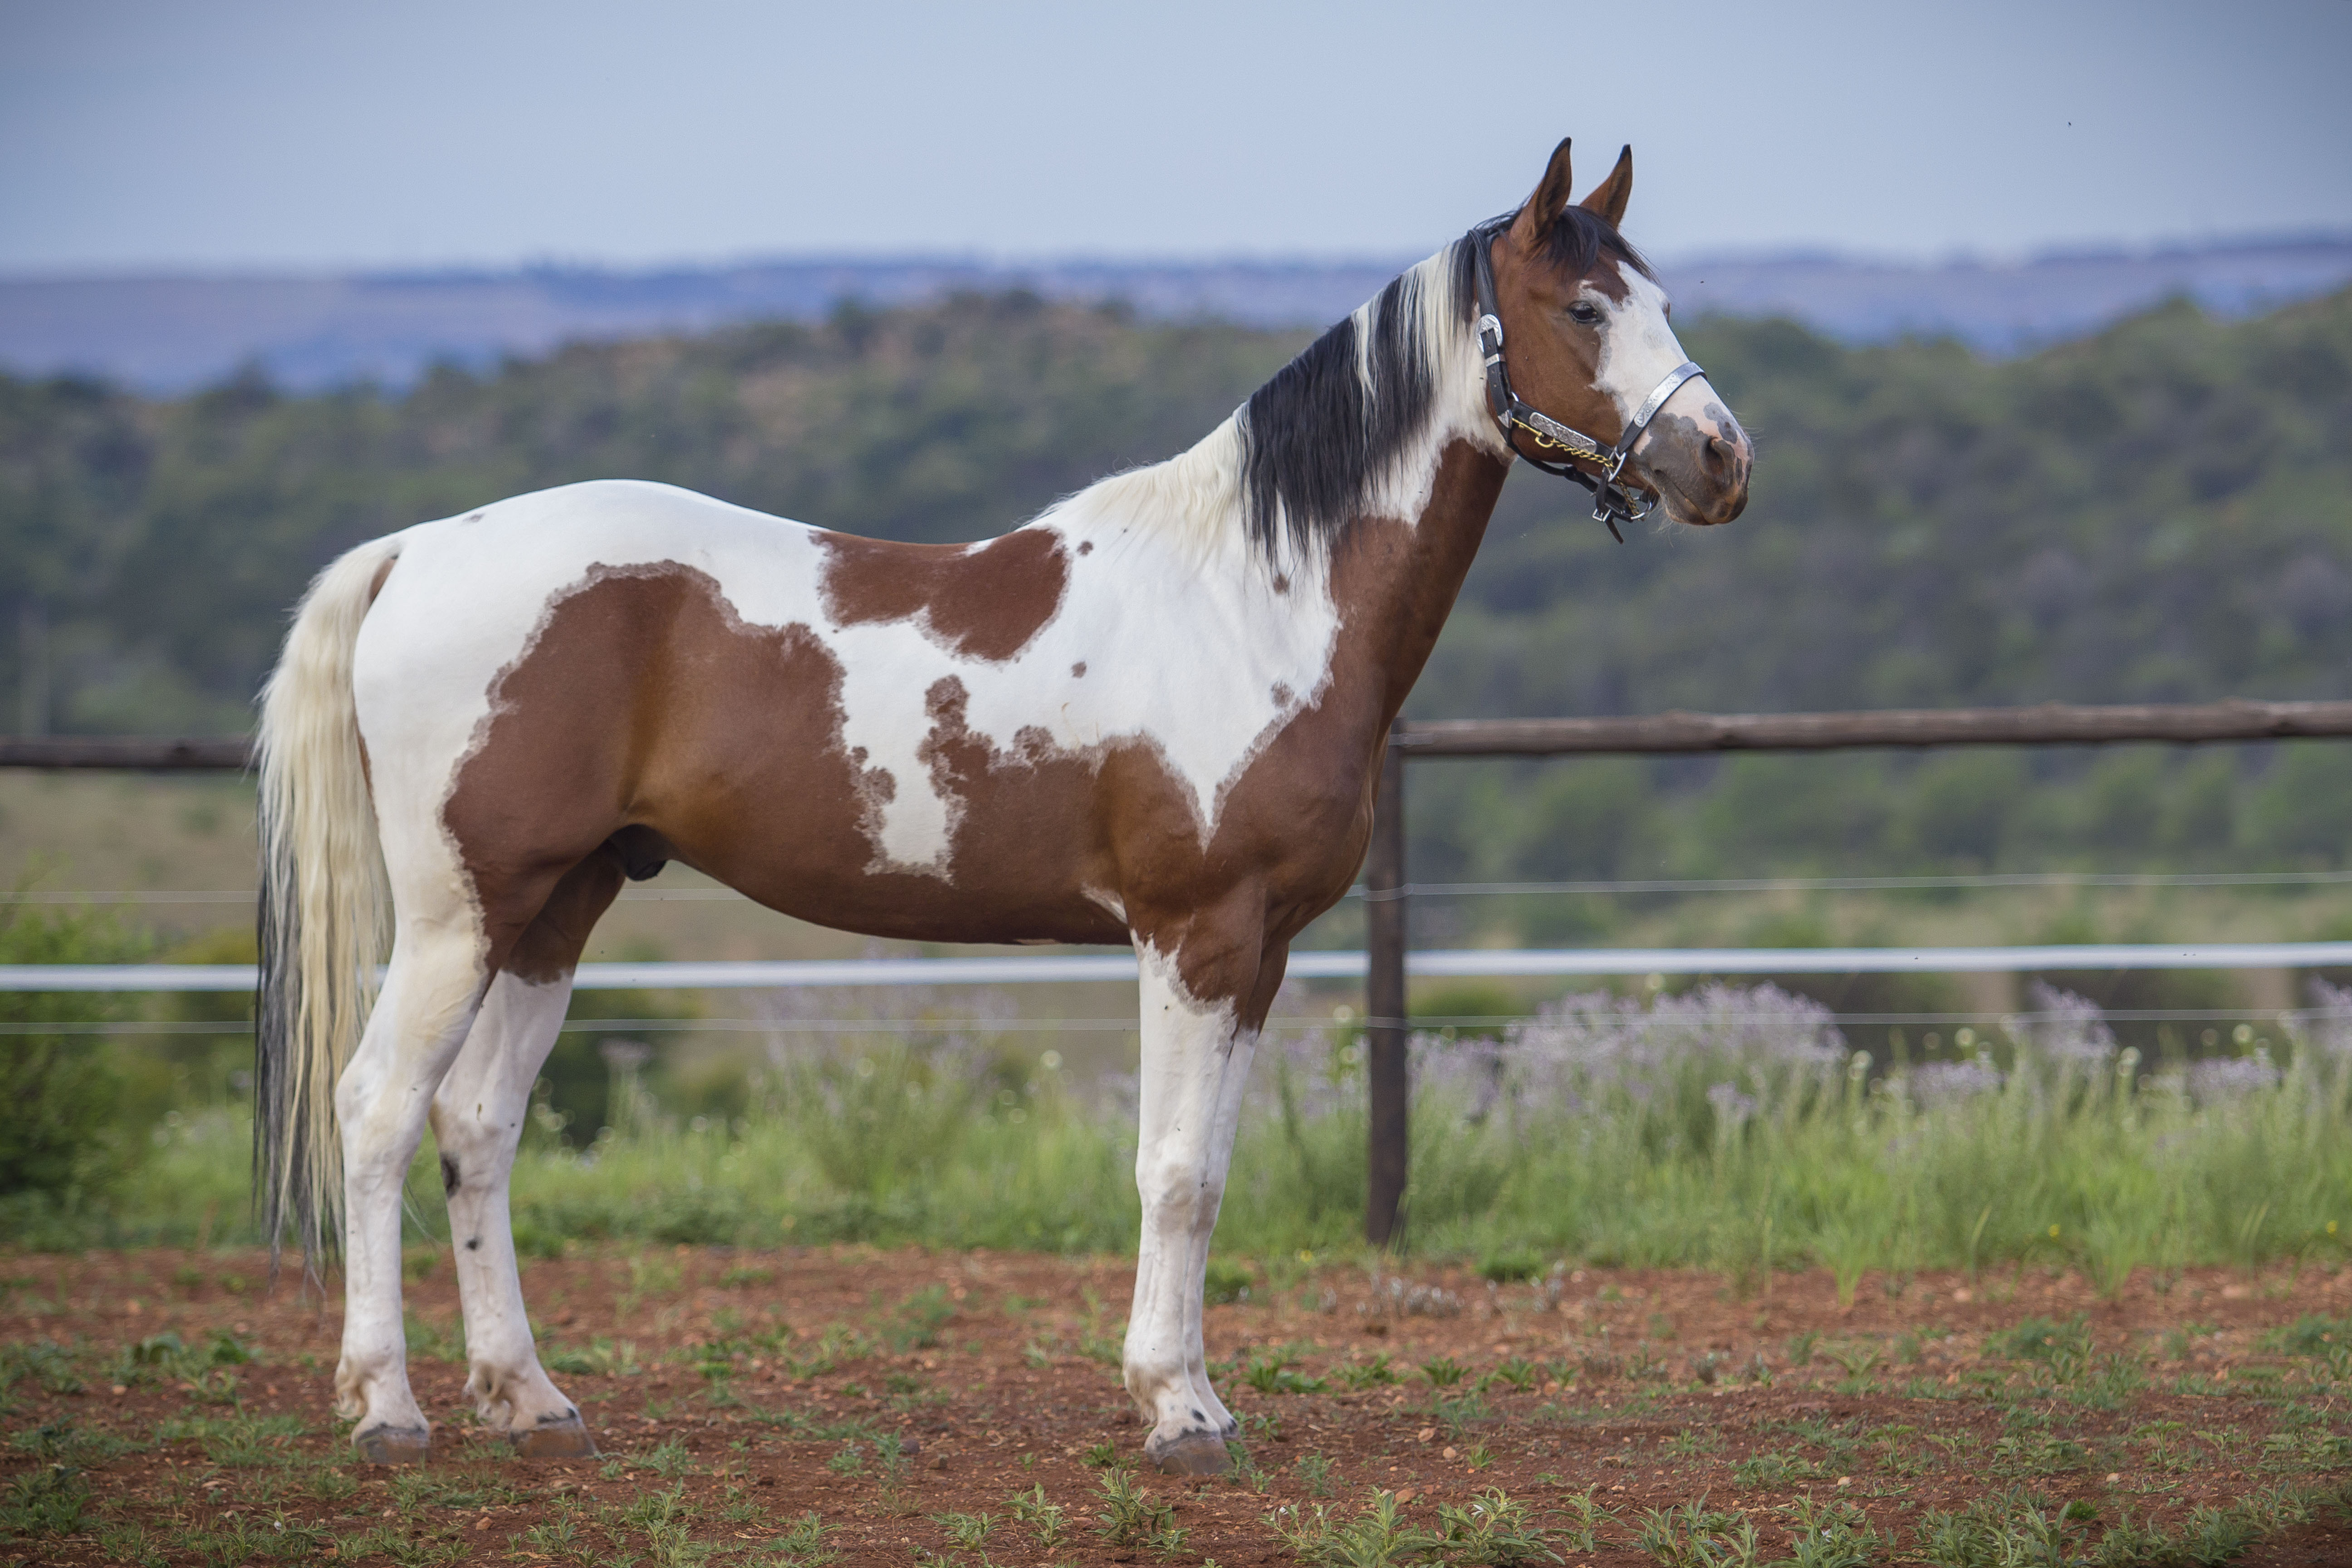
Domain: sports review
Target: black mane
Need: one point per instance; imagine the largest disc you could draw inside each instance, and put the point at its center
(1320, 435)
(1579, 238)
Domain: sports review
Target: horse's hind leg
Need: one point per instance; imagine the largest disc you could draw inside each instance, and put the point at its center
(420, 1020)
(478, 1121)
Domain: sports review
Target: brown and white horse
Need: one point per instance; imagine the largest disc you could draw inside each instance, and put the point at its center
(1154, 715)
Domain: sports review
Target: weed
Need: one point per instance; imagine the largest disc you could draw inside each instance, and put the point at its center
(1046, 1520)
(1272, 1375)
(47, 1501)
(1691, 1535)
(1443, 1372)
(64, 1440)
(130, 1543)
(1491, 1530)
(1130, 1517)
(559, 1536)
(1518, 1373)
(1317, 1475)
(1376, 1537)
(1589, 1514)
(664, 1519)
(2037, 1454)
(916, 1321)
(46, 1361)
(668, 1459)
(1363, 1375)
(2015, 1527)
(848, 1460)
(802, 1546)
(1832, 1534)
(969, 1530)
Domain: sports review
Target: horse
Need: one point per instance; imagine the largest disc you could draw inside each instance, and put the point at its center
(1154, 715)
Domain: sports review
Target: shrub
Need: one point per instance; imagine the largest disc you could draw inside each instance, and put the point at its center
(60, 1136)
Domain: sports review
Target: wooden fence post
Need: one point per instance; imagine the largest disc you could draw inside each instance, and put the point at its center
(1384, 1005)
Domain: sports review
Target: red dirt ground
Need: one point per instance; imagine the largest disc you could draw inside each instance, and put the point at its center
(1646, 1389)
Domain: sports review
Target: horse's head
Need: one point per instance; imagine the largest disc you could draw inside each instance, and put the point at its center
(1590, 345)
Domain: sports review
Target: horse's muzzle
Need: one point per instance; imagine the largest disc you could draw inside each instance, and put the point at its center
(1698, 463)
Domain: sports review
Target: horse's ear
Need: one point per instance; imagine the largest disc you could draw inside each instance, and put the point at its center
(1608, 199)
(1552, 198)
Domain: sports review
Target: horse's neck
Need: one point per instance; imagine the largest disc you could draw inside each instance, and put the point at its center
(1395, 584)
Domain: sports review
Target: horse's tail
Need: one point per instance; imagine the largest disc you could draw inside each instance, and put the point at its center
(324, 909)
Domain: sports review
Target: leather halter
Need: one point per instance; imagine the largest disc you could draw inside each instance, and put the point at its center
(1611, 500)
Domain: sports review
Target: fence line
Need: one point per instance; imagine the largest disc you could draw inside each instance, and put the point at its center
(2289, 1017)
(1460, 890)
(2048, 724)
(1452, 963)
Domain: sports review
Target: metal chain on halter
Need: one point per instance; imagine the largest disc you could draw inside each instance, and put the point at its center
(1611, 500)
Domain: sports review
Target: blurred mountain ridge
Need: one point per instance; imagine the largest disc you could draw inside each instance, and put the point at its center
(165, 334)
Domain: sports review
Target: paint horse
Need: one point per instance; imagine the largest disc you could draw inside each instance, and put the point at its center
(1154, 715)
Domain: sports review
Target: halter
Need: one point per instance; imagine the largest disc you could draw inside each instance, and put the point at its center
(1611, 500)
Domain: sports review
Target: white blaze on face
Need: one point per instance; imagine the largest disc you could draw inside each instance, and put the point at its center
(1638, 350)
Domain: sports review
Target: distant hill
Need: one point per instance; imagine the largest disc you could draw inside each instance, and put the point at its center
(2158, 511)
(166, 334)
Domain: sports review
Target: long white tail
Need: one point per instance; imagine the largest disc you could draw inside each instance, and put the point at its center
(325, 908)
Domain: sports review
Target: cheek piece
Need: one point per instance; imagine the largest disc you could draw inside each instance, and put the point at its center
(1610, 500)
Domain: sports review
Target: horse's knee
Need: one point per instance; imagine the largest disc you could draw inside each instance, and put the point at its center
(1179, 1201)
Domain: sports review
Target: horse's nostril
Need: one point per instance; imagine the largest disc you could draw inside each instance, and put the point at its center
(1722, 459)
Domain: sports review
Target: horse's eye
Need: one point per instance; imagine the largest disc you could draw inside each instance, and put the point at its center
(1582, 313)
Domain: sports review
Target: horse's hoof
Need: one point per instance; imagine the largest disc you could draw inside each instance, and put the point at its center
(394, 1444)
(565, 1438)
(1192, 1454)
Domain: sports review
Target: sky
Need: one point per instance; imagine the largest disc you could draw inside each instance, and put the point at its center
(157, 135)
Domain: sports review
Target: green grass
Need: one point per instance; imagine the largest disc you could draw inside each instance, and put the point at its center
(1716, 1154)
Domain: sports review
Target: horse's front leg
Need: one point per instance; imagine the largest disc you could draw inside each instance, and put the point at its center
(1196, 1061)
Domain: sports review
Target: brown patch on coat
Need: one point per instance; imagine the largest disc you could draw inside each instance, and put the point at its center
(644, 700)
(550, 946)
(981, 601)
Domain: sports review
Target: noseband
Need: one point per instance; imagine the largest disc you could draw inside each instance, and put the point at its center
(1611, 500)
